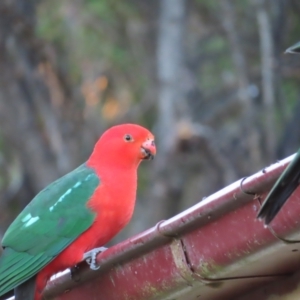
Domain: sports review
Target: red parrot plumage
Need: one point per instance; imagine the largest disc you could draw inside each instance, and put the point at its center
(78, 212)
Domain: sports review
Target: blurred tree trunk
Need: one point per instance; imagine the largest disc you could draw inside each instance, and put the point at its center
(290, 139)
(267, 70)
(33, 97)
(280, 35)
(248, 114)
(171, 105)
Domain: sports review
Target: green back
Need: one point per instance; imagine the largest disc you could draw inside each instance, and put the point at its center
(47, 225)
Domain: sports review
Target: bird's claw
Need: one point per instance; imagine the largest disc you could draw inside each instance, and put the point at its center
(90, 257)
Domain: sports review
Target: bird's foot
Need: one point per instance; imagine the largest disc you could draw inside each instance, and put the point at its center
(90, 257)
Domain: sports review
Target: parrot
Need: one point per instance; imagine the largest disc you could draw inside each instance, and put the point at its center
(80, 211)
(281, 191)
(286, 183)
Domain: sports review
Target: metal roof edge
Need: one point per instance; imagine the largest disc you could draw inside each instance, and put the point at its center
(217, 247)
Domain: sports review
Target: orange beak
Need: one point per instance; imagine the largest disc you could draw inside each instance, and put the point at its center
(148, 149)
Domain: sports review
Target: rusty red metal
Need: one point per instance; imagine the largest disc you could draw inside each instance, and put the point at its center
(217, 249)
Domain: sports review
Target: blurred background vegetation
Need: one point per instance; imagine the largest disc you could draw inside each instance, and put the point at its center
(209, 78)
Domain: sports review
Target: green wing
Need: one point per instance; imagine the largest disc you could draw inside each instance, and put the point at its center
(48, 224)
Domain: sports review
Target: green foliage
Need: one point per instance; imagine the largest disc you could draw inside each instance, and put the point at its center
(103, 9)
(96, 31)
(211, 73)
(110, 11)
(208, 5)
(215, 44)
(91, 38)
(290, 90)
(50, 24)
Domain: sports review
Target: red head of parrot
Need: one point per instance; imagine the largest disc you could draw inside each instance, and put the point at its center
(123, 145)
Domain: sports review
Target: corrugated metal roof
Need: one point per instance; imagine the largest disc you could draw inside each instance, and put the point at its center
(217, 249)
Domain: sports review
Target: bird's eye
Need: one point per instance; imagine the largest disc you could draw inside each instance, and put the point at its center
(128, 138)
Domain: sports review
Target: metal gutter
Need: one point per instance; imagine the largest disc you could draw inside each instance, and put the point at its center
(217, 249)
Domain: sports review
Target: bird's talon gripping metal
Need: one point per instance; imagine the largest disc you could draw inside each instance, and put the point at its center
(93, 264)
(91, 256)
